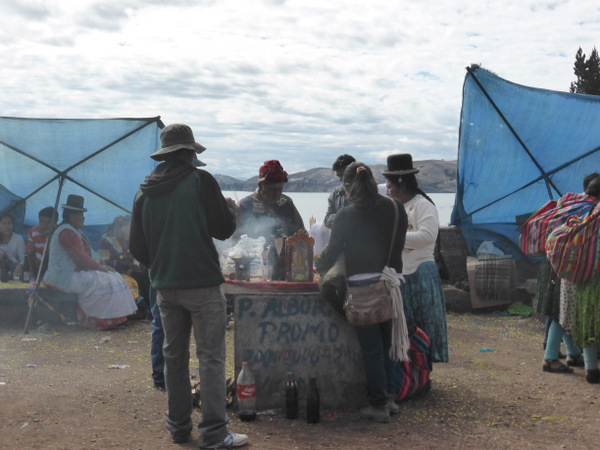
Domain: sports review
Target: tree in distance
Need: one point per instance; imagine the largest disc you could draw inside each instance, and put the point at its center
(587, 73)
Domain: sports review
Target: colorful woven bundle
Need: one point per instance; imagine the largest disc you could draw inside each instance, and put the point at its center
(572, 248)
(538, 227)
(411, 376)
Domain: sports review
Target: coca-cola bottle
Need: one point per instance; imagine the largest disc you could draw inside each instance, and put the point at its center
(313, 404)
(246, 394)
(291, 397)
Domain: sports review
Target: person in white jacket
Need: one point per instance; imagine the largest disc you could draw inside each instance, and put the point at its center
(424, 301)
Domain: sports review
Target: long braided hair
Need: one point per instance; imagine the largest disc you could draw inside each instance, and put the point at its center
(410, 183)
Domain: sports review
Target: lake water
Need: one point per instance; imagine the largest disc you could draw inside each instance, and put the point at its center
(315, 204)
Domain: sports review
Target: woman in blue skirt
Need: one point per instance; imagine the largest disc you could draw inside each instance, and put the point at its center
(424, 302)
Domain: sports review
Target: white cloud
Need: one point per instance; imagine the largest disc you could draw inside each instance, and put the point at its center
(300, 81)
(34, 10)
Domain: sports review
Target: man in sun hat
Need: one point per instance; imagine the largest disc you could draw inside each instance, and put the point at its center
(177, 212)
(269, 213)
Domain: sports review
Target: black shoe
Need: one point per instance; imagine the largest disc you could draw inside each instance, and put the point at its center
(180, 439)
(575, 360)
(555, 366)
(160, 386)
(592, 376)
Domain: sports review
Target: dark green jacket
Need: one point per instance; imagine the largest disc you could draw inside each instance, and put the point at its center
(176, 213)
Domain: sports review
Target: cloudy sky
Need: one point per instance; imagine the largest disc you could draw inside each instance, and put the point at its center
(301, 81)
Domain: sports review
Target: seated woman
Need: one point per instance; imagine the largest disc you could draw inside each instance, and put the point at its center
(269, 213)
(37, 237)
(12, 247)
(104, 296)
(113, 249)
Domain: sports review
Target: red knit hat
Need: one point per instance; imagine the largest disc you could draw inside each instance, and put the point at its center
(272, 172)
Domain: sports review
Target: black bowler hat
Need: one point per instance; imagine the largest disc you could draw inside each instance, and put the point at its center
(74, 203)
(400, 164)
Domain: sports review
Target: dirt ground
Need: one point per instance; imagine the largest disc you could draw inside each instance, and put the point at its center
(72, 388)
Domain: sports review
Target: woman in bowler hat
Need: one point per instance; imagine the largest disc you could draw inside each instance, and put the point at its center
(103, 295)
(424, 301)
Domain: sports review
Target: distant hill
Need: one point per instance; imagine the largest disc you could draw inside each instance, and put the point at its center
(436, 176)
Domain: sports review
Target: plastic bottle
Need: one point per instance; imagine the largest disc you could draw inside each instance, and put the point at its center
(267, 268)
(291, 397)
(313, 404)
(246, 394)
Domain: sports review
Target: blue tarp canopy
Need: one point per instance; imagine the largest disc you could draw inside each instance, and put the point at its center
(519, 147)
(45, 160)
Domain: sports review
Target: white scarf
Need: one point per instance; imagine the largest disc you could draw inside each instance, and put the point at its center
(400, 340)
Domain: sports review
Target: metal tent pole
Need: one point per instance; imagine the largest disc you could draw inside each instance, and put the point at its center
(33, 298)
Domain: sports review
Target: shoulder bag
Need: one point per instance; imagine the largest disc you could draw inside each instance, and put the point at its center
(372, 303)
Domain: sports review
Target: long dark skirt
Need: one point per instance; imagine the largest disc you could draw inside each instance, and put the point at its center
(425, 307)
(547, 296)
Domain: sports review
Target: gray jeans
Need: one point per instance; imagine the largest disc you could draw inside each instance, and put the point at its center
(202, 310)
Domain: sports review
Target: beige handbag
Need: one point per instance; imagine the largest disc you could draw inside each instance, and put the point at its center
(368, 305)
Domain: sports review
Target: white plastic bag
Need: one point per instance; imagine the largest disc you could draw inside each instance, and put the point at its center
(488, 248)
(246, 248)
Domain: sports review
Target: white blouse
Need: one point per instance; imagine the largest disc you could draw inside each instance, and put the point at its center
(16, 248)
(423, 227)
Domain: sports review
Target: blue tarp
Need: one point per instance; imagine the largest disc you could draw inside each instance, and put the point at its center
(104, 160)
(518, 148)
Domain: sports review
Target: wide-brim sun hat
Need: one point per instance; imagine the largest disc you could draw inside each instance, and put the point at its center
(176, 136)
(74, 203)
(400, 164)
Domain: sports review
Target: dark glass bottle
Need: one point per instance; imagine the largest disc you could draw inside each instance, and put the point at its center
(291, 397)
(3, 271)
(313, 405)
